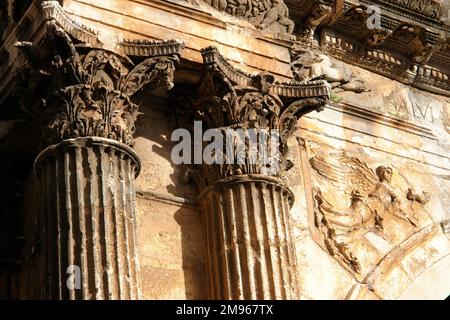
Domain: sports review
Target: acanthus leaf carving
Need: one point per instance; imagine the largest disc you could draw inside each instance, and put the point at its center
(151, 73)
(231, 99)
(88, 92)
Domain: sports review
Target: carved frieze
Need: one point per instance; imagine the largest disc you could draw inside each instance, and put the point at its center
(408, 41)
(429, 9)
(307, 65)
(359, 214)
(268, 15)
(388, 63)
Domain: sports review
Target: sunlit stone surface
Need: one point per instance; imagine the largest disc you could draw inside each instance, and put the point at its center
(91, 91)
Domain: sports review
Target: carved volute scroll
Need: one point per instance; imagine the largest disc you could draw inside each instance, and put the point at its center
(250, 252)
(83, 98)
(230, 98)
(89, 93)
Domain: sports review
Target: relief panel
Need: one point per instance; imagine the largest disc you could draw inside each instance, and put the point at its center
(363, 209)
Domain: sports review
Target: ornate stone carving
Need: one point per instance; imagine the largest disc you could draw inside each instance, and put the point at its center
(309, 66)
(84, 99)
(408, 43)
(432, 79)
(230, 98)
(446, 227)
(374, 205)
(249, 252)
(428, 8)
(269, 15)
(321, 11)
(53, 11)
(415, 43)
(89, 93)
(389, 64)
(420, 198)
(149, 48)
(354, 21)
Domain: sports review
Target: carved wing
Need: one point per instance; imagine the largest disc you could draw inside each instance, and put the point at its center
(345, 172)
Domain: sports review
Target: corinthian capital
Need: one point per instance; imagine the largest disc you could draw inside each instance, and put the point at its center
(241, 188)
(229, 99)
(80, 90)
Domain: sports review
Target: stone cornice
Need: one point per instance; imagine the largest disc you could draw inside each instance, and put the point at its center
(386, 63)
(412, 45)
(52, 10)
(143, 48)
(425, 11)
(212, 57)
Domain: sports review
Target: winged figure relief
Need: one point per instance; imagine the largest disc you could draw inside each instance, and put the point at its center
(371, 198)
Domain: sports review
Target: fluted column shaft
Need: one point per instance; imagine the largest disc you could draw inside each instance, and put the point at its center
(249, 241)
(89, 221)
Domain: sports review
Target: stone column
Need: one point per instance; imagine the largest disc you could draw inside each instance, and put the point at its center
(87, 168)
(89, 220)
(250, 251)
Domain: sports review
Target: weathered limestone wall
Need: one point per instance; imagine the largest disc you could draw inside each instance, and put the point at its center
(169, 227)
(170, 232)
(399, 241)
(392, 124)
(417, 150)
(237, 40)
